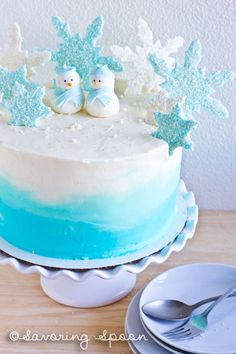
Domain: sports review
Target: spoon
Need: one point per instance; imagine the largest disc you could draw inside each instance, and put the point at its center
(174, 310)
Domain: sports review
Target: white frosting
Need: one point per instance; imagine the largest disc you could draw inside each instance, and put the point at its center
(69, 155)
(81, 137)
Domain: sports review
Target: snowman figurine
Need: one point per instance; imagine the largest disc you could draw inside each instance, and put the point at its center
(102, 100)
(67, 96)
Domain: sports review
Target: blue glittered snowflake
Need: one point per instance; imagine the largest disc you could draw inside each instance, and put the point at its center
(191, 82)
(25, 105)
(9, 78)
(174, 129)
(82, 53)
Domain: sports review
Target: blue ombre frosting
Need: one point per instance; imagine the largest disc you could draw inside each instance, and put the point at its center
(89, 227)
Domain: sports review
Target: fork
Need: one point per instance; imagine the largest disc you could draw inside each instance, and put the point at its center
(197, 324)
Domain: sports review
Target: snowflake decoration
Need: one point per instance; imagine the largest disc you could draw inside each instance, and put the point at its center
(191, 82)
(9, 78)
(161, 102)
(82, 53)
(26, 106)
(145, 105)
(137, 69)
(13, 57)
(173, 129)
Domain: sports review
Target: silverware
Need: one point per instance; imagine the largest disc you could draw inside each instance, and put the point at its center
(196, 324)
(174, 310)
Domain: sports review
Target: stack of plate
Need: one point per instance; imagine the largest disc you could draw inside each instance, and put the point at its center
(190, 284)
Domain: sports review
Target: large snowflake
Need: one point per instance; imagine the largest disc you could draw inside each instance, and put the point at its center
(137, 69)
(82, 53)
(191, 82)
(12, 56)
(9, 78)
(26, 106)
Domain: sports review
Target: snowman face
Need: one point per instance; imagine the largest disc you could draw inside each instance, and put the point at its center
(68, 80)
(102, 82)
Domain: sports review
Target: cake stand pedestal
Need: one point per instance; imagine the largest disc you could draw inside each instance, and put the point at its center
(92, 292)
(102, 286)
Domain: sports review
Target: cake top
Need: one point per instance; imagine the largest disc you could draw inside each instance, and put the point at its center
(159, 91)
(80, 137)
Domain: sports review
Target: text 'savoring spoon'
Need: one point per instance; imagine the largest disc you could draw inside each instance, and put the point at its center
(196, 324)
(174, 310)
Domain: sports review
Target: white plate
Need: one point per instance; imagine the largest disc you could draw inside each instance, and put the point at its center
(134, 327)
(192, 283)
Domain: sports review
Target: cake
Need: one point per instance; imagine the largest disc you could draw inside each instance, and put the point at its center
(82, 191)
(82, 188)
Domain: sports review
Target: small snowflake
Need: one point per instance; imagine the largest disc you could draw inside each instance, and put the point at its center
(26, 106)
(174, 129)
(137, 68)
(191, 82)
(82, 53)
(9, 78)
(13, 57)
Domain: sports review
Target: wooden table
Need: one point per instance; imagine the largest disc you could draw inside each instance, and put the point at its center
(25, 307)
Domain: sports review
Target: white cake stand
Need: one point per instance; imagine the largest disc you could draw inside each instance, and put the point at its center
(103, 286)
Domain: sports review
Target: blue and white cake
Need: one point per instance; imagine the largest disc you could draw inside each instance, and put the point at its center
(81, 188)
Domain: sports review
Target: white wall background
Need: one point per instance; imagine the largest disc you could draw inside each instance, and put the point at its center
(210, 171)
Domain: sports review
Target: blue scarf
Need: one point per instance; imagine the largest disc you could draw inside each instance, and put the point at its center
(104, 95)
(73, 95)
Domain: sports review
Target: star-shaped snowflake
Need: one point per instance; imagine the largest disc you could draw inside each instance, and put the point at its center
(191, 82)
(137, 68)
(9, 78)
(82, 53)
(174, 129)
(12, 57)
(25, 106)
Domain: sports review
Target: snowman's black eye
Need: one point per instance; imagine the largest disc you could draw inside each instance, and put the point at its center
(64, 80)
(71, 79)
(100, 80)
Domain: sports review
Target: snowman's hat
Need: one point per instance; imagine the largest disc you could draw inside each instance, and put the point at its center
(101, 72)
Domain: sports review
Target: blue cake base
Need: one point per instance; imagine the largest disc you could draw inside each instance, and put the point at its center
(174, 229)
